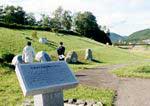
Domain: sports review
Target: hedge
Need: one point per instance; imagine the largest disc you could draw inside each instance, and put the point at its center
(18, 26)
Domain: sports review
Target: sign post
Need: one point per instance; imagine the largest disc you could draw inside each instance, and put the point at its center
(46, 81)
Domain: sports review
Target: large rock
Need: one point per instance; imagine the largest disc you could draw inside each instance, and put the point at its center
(17, 60)
(88, 54)
(42, 57)
(71, 57)
(43, 40)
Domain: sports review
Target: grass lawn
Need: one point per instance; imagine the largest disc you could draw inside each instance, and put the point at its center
(11, 94)
(136, 70)
(141, 51)
(87, 93)
(139, 69)
(13, 41)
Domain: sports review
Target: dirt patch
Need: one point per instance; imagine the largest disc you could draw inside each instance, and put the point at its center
(99, 77)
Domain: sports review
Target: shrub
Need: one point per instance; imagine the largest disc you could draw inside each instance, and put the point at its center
(1, 61)
(7, 57)
(28, 38)
(55, 30)
(34, 35)
(19, 26)
(67, 32)
(43, 28)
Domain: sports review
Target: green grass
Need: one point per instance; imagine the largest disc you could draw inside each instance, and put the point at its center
(137, 70)
(140, 35)
(13, 41)
(87, 93)
(141, 51)
(10, 92)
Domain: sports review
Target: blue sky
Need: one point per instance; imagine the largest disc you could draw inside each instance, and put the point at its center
(121, 16)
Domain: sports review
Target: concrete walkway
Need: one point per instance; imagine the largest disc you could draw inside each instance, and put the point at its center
(133, 92)
(130, 91)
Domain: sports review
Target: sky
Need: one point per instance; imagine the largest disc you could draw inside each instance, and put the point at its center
(121, 16)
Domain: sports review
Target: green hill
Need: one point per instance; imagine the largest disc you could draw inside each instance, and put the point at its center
(116, 37)
(13, 41)
(139, 35)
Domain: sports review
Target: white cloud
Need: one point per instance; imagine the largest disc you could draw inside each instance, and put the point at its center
(123, 16)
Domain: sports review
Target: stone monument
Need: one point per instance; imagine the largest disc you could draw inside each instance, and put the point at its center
(43, 40)
(42, 57)
(17, 60)
(88, 54)
(46, 81)
(71, 57)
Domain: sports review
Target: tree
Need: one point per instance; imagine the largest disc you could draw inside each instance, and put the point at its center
(86, 24)
(57, 19)
(55, 24)
(58, 13)
(62, 19)
(1, 13)
(30, 19)
(66, 20)
(14, 15)
(45, 20)
(9, 16)
(39, 23)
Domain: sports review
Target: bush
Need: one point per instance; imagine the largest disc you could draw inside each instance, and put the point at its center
(7, 57)
(34, 35)
(43, 28)
(28, 38)
(67, 32)
(18, 26)
(55, 30)
(1, 61)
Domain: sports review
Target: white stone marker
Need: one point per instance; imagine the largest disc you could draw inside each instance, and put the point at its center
(88, 54)
(46, 81)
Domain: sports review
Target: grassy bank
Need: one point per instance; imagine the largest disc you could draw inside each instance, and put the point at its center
(87, 93)
(11, 94)
(13, 41)
(135, 70)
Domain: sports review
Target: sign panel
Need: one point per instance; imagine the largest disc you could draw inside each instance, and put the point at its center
(40, 78)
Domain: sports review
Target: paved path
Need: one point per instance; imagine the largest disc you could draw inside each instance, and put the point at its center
(99, 77)
(133, 92)
(130, 91)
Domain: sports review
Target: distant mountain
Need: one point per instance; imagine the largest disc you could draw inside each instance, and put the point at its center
(140, 35)
(116, 37)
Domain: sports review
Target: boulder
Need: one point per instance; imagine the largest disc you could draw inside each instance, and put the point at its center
(43, 40)
(71, 57)
(17, 60)
(88, 54)
(42, 57)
